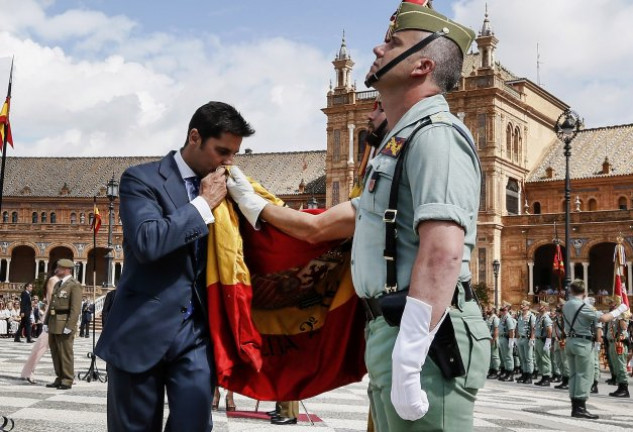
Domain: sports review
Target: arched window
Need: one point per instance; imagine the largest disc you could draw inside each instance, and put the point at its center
(482, 193)
(82, 218)
(537, 207)
(509, 141)
(90, 217)
(34, 217)
(5, 217)
(516, 151)
(512, 197)
(14, 217)
(362, 137)
(44, 217)
(593, 205)
(622, 203)
(73, 218)
(53, 217)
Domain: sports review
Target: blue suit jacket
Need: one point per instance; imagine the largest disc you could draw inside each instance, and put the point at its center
(160, 270)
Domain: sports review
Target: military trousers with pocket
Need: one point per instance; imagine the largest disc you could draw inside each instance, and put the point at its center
(543, 359)
(526, 355)
(451, 401)
(559, 360)
(63, 356)
(580, 358)
(495, 361)
(507, 358)
(619, 363)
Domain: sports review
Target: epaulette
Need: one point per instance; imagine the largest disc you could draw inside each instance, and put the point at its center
(441, 117)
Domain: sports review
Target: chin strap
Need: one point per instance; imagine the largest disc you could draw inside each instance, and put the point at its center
(417, 47)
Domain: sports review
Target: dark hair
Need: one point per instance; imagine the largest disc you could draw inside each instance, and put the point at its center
(577, 287)
(448, 60)
(215, 118)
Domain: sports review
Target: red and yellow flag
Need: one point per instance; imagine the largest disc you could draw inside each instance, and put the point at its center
(96, 220)
(285, 321)
(5, 125)
(619, 281)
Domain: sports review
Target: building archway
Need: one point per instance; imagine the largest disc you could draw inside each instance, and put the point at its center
(544, 277)
(601, 267)
(22, 267)
(101, 271)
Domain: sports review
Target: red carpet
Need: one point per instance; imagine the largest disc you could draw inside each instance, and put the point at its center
(261, 415)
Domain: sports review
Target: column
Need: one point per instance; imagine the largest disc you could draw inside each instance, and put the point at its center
(572, 276)
(8, 268)
(83, 272)
(629, 279)
(531, 277)
(350, 128)
(46, 266)
(112, 268)
(585, 275)
(37, 268)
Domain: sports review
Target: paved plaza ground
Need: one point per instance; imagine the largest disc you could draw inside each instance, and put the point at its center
(500, 407)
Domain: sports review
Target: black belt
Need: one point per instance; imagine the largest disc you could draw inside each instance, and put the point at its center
(373, 310)
(589, 338)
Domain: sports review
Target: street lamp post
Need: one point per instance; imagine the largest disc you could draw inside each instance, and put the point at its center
(112, 192)
(567, 127)
(496, 265)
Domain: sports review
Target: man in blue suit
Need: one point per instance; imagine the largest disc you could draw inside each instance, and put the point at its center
(157, 337)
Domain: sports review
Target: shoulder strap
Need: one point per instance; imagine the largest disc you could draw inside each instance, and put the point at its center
(389, 217)
(573, 321)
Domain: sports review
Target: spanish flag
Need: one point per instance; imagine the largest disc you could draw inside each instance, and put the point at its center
(5, 125)
(285, 321)
(96, 220)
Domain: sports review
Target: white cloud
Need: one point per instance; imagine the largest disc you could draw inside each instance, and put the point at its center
(70, 99)
(585, 49)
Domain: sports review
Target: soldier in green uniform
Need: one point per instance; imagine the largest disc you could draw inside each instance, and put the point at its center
(507, 327)
(579, 321)
(543, 331)
(436, 219)
(526, 322)
(607, 345)
(617, 334)
(61, 321)
(493, 325)
(559, 359)
(597, 332)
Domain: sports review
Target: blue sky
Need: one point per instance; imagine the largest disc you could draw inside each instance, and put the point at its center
(122, 77)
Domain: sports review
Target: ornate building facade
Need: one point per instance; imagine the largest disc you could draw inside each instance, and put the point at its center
(47, 208)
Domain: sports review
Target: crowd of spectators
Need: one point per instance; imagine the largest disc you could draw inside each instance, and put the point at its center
(10, 316)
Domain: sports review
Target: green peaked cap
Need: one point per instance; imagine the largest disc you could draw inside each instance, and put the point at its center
(417, 15)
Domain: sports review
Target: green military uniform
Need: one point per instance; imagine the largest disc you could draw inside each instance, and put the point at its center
(525, 331)
(617, 334)
(579, 347)
(440, 181)
(543, 330)
(61, 319)
(507, 326)
(495, 334)
(559, 359)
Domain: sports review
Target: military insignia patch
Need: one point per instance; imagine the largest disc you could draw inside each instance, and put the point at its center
(393, 147)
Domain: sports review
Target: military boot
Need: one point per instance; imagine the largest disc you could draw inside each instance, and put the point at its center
(544, 382)
(528, 378)
(556, 378)
(522, 378)
(535, 374)
(508, 377)
(578, 409)
(594, 387)
(622, 391)
(611, 381)
(493, 374)
(564, 384)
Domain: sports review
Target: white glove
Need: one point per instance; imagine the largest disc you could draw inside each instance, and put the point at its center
(66, 330)
(45, 328)
(408, 357)
(619, 310)
(548, 344)
(512, 342)
(596, 346)
(531, 342)
(242, 192)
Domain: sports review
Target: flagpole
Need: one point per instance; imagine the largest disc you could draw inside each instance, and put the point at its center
(93, 373)
(5, 139)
